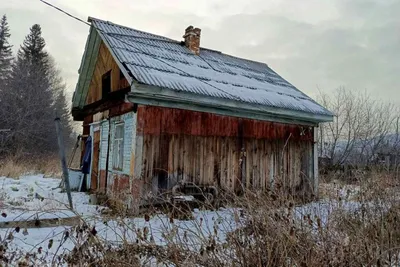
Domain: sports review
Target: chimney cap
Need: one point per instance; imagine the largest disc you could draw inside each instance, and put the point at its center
(192, 31)
(197, 31)
(192, 39)
(189, 28)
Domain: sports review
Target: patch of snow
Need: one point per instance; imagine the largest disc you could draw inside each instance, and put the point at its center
(184, 198)
(323, 209)
(32, 196)
(337, 190)
(36, 238)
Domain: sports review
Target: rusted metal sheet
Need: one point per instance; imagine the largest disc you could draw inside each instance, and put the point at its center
(207, 149)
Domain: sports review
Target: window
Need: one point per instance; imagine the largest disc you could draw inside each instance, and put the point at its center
(118, 148)
(106, 84)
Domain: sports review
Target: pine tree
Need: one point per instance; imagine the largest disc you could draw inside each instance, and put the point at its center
(32, 49)
(34, 98)
(61, 106)
(5, 52)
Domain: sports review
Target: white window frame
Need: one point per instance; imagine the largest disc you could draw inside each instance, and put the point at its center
(118, 147)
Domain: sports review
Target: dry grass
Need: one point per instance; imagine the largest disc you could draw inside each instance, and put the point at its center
(14, 167)
(272, 231)
(271, 235)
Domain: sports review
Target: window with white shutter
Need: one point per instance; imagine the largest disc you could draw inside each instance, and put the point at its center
(118, 148)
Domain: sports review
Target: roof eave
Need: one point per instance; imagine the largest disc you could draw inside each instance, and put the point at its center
(88, 63)
(157, 96)
(86, 69)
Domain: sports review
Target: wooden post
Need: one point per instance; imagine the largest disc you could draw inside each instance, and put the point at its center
(63, 161)
(315, 162)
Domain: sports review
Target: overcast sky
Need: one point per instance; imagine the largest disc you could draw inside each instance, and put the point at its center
(311, 43)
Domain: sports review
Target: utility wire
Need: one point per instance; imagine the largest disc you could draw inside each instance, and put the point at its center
(137, 49)
(145, 53)
(65, 12)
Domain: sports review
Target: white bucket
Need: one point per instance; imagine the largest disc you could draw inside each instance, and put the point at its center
(75, 179)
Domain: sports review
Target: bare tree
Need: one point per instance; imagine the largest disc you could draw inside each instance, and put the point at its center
(339, 136)
(360, 128)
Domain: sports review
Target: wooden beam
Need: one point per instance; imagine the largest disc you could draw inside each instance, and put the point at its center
(112, 100)
(86, 69)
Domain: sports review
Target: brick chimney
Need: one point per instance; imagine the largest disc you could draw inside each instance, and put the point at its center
(192, 39)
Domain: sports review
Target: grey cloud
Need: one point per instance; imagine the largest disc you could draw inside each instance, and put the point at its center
(359, 50)
(311, 43)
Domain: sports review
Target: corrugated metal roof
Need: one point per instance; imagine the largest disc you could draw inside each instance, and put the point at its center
(160, 61)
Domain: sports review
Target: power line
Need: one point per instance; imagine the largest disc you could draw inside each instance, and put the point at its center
(137, 49)
(151, 55)
(65, 12)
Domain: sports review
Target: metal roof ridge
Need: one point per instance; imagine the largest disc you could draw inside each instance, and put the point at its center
(155, 68)
(90, 19)
(152, 45)
(147, 38)
(246, 59)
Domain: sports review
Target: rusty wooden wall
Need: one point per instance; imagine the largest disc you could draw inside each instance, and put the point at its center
(210, 149)
(105, 62)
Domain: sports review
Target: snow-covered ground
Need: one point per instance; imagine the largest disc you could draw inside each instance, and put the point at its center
(32, 196)
(337, 190)
(36, 197)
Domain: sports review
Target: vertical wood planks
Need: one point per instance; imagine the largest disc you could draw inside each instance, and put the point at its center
(222, 163)
(104, 63)
(171, 158)
(187, 154)
(216, 160)
(195, 153)
(181, 155)
(201, 160)
(176, 157)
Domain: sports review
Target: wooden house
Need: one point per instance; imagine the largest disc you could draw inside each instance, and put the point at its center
(163, 112)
